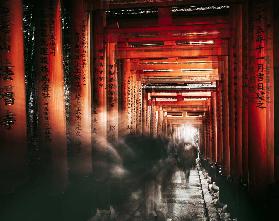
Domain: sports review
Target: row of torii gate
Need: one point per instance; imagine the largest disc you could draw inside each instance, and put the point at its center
(112, 94)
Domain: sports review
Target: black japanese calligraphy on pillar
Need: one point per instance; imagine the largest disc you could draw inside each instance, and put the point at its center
(99, 83)
(7, 99)
(129, 105)
(99, 88)
(43, 69)
(139, 107)
(260, 55)
(80, 66)
(148, 116)
(112, 93)
(269, 32)
(134, 104)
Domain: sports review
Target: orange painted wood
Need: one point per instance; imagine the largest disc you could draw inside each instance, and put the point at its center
(225, 114)
(80, 89)
(99, 114)
(258, 111)
(112, 93)
(13, 143)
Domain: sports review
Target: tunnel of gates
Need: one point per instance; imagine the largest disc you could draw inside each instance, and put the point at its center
(78, 73)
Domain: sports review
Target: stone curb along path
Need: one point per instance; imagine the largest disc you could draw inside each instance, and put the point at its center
(214, 209)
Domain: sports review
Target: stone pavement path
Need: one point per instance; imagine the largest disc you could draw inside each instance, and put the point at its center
(176, 196)
(182, 198)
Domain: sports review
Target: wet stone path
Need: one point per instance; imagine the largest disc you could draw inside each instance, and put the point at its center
(175, 195)
(179, 196)
(182, 198)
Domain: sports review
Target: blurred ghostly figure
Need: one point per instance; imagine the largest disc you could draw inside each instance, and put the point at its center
(186, 157)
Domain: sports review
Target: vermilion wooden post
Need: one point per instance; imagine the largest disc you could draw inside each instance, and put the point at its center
(245, 74)
(153, 121)
(210, 130)
(219, 123)
(232, 100)
(145, 113)
(148, 117)
(269, 50)
(276, 93)
(80, 89)
(112, 93)
(134, 103)
(237, 14)
(12, 97)
(125, 101)
(160, 121)
(205, 130)
(57, 105)
(215, 128)
(225, 114)
(259, 70)
(99, 115)
(139, 106)
(209, 135)
(50, 90)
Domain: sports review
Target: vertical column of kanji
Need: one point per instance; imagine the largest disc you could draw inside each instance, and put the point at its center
(232, 81)
(139, 108)
(160, 121)
(153, 118)
(80, 89)
(12, 96)
(156, 120)
(164, 123)
(50, 90)
(148, 117)
(276, 90)
(112, 93)
(125, 98)
(219, 122)
(225, 113)
(245, 75)
(130, 102)
(134, 104)
(269, 50)
(99, 115)
(41, 66)
(144, 112)
(257, 98)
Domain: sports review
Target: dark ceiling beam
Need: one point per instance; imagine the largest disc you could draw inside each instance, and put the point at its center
(184, 108)
(131, 39)
(176, 66)
(219, 27)
(115, 4)
(169, 53)
(214, 59)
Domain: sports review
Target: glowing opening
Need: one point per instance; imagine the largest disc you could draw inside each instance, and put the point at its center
(188, 133)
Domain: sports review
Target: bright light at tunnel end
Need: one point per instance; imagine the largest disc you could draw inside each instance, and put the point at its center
(188, 133)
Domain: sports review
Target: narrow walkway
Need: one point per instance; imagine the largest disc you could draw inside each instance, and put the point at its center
(192, 198)
(182, 199)
(174, 195)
